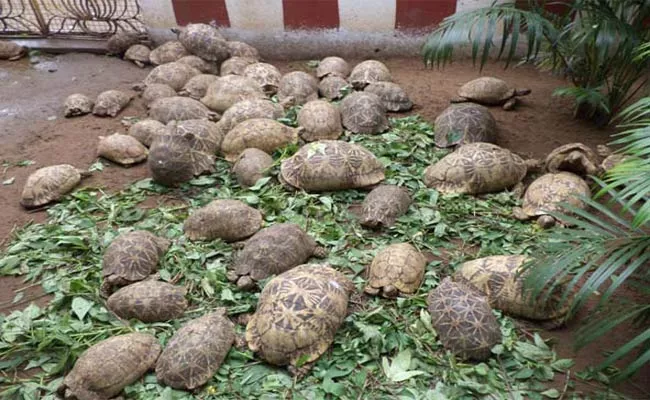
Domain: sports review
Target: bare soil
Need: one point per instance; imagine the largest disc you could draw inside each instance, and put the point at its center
(32, 127)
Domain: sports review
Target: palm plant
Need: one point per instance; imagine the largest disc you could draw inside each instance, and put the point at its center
(592, 44)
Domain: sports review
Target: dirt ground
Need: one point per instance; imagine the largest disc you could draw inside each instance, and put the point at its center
(32, 127)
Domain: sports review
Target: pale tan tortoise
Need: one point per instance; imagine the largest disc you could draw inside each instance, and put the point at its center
(490, 91)
(383, 205)
(266, 75)
(251, 166)
(121, 149)
(230, 89)
(272, 251)
(155, 91)
(321, 120)
(197, 86)
(144, 131)
(120, 42)
(77, 104)
(49, 184)
(332, 66)
(573, 157)
(205, 41)
(104, 369)
(298, 315)
(168, 52)
(11, 51)
(391, 95)
(174, 74)
(328, 165)
(265, 134)
(610, 158)
(364, 113)
(501, 280)
(249, 109)
(367, 72)
(463, 319)
(241, 49)
(228, 220)
(397, 269)
(131, 257)
(111, 102)
(196, 351)
(235, 65)
(139, 54)
(179, 108)
(333, 87)
(205, 67)
(465, 123)
(297, 88)
(149, 301)
(547, 193)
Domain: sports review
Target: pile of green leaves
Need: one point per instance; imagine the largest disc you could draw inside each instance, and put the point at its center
(385, 348)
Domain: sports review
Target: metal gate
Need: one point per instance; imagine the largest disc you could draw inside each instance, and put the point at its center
(69, 18)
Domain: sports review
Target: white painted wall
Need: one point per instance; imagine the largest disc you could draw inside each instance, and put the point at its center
(367, 15)
(158, 13)
(256, 15)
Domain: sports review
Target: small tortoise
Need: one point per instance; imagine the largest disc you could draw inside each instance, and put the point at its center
(547, 193)
(205, 41)
(251, 166)
(139, 54)
(364, 113)
(228, 220)
(465, 123)
(156, 91)
(383, 205)
(610, 158)
(106, 368)
(236, 65)
(332, 66)
(230, 89)
(266, 75)
(131, 257)
(77, 104)
(328, 165)
(179, 108)
(242, 50)
(111, 102)
(196, 351)
(499, 278)
(49, 184)
(297, 88)
(321, 121)
(200, 64)
(333, 87)
(391, 95)
(121, 149)
(144, 131)
(197, 86)
(297, 316)
(168, 52)
(11, 51)
(489, 91)
(367, 72)
(148, 301)
(174, 74)
(463, 319)
(272, 251)
(120, 42)
(573, 157)
(396, 269)
(249, 109)
(476, 168)
(265, 134)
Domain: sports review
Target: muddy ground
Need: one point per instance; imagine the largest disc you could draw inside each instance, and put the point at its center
(32, 127)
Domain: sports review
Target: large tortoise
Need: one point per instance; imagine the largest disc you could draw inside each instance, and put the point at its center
(573, 157)
(155, 91)
(265, 134)
(396, 269)
(230, 89)
(179, 108)
(206, 67)
(489, 91)
(174, 74)
(333, 87)
(197, 86)
(321, 121)
(11, 51)
(297, 88)
(547, 193)
(242, 50)
(363, 112)
(383, 205)
(249, 109)
(121, 149)
(297, 316)
(205, 41)
(236, 65)
(272, 251)
(332, 66)
(501, 280)
(228, 220)
(266, 75)
(391, 95)
(49, 184)
(328, 165)
(465, 123)
(168, 52)
(106, 368)
(145, 131)
(463, 319)
(149, 301)
(120, 42)
(367, 72)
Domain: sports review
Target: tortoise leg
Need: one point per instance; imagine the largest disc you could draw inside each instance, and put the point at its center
(320, 252)
(510, 104)
(105, 289)
(139, 63)
(458, 99)
(245, 283)
(371, 290)
(390, 292)
(300, 372)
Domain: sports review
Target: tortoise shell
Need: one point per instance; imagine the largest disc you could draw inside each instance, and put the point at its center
(249, 109)
(364, 113)
(120, 42)
(265, 134)
(148, 301)
(168, 52)
(208, 133)
(205, 67)
(139, 54)
(205, 41)
(243, 50)
(111, 102)
(321, 121)
(465, 123)
(546, 193)
(251, 166)
(236, 65)
(228, 220)
(156, 91)
(179, 108)
(144, 131)
(573, 157)
(197, 86)
(49, 184)
(391, 95)
(490, 91)
(332, 87)
(173, 74)
(266, 75)
(367, 72)
(297, 88)
(77, 104)
(11, 51)
(396, 269)
(383, 205)
(332, 66)
(121, 149)
(230, 89)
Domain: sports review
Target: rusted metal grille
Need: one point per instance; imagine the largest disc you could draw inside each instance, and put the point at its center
(87, 18)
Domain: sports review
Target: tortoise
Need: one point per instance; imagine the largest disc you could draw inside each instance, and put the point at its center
(249, 109)
(111, 102)
(236, 65)
(328, 165)
(489, 91)
(610, 159)
(367, 72)
(228, 220)
(77, 104)
(168, 52)
(266, 75)
(476, 168)
(241, 49)
(391, 95)
(200, 64)
(251, 166)
(11, 51)
(463, 319)
(148, 301)
(464, 123)
(230, 89)
(104, 369)
(121, 149)
(321, 121)
(265, 134)
(297, 88)
(49, 184)
(144, 131)
(208, 133)
(174, 74)
(396, 269)
(197, 86)
(546, 193)
(196, 351)
(333, 87)
(120, 42)
(179, 108)
(297, 316)
(332, 66)
(383, 205)
(573, 157)
(364, 113)
(272, 251)
(499, 278)
(139, 54)
(205, 41)
(156, 91)
(131, 257)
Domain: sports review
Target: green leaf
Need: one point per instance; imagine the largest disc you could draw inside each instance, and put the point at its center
(81, 306)
(562, 364)
(551, 393)
(331, 387)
